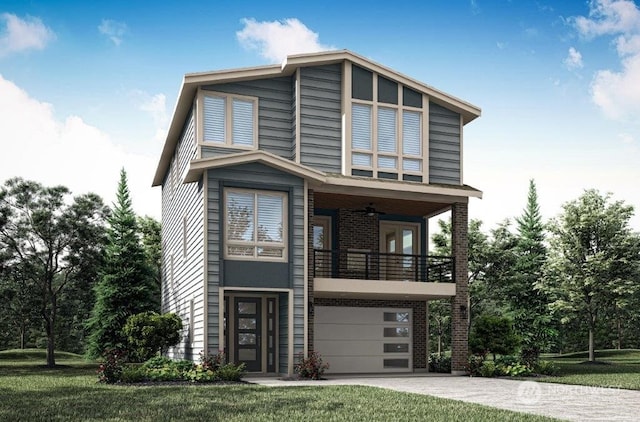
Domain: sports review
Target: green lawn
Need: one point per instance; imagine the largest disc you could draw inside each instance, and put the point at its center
(32, 393)
(618, 369)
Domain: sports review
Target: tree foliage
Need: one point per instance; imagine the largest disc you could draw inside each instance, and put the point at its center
(527, 304)
(151, 230)
(594, 261)
(50, 243)
(492, 334)
(150, 333)
(126, 286)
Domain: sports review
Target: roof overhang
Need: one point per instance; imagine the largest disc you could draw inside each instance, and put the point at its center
(386, 188)
(192, 81)
(197, 167)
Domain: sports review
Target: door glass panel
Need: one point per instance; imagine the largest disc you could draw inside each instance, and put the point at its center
(318, 237)
(246, 339)
(396, 331)
(396, 348)
(396, 317)
(407, 241)
(247, 308)
(247, 354)
(246, 323)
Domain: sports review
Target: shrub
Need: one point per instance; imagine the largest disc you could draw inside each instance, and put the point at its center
(474, 364)
(439, 363)
(492, 334)
(110, 371)
(150, 333)
(231, 372)
(213, 361)
(200, 374)
(516, 370)
(310, 368)
(133, 373)
(488, 369)
(157, 362)
(545, 367)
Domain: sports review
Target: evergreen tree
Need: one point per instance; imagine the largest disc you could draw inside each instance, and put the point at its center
(126, 286)
(529, 306)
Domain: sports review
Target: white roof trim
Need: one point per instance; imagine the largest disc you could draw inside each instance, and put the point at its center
(197, 167)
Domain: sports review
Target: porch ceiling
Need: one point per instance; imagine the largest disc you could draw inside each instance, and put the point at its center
(387, 205)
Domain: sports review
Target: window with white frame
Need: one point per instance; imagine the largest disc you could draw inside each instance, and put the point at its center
(229, 120)
(386, 128)
(255, 225)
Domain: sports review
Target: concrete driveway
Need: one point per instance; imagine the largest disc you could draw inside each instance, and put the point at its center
(569, 402)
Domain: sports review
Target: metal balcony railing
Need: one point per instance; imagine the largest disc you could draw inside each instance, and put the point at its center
(365, 265)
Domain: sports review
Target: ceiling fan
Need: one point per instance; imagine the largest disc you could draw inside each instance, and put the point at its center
(370, 210)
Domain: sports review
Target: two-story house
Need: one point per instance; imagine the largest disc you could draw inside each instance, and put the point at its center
(295, 207)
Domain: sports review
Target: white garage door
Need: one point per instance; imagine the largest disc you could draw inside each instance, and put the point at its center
(364, 340)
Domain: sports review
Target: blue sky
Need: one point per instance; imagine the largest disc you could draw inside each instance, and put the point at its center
(89, 87)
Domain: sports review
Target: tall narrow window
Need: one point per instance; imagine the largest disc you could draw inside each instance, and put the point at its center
(214, 119)
(361, 135)
(387, 136)
(411, 141)
(242, 122)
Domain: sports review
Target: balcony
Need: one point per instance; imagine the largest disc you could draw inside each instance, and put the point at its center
(366, 274)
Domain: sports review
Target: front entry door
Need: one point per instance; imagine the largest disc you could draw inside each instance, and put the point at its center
(248, 332)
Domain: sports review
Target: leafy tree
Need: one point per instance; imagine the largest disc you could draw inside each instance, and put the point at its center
(492, 334)
(528, 305)
(594, 260)
(149, 333)
(47, 240)
(126, 284)
(440, 324)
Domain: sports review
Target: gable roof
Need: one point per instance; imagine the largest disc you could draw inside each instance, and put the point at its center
(192, 81)
(197, 167)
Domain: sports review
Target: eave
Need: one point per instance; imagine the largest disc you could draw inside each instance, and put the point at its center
(199, 166)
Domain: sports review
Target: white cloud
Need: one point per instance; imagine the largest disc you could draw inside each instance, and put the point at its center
(573, 59)
(37, 146)
(22, 34)
(617, 93)
(156, 107)
(113, 30)
(501, 45)
(609, 17)
(274, 40)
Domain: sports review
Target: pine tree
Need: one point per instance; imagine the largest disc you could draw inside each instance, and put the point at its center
(532, 320)
(126, 286)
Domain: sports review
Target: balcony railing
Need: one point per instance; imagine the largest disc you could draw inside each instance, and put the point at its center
(365, 265)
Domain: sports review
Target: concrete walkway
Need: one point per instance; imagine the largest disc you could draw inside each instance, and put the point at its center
(569, 402)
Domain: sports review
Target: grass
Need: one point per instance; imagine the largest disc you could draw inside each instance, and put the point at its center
(71, 393)
(617, 369)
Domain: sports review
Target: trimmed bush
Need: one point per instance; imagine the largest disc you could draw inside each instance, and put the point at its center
(312, 367)
(150, 333)
(440, 364)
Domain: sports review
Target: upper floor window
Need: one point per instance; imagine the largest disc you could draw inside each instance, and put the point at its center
(229, 119)
(255, 225)
(386, 128)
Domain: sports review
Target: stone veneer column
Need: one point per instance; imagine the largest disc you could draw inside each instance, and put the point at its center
(460, 306)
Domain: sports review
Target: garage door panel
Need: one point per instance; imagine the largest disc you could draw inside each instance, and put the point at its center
(348, 332)
(354, 348)
(337, 314)
(352, 340)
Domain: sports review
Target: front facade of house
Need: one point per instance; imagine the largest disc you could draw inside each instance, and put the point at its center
(295, 206)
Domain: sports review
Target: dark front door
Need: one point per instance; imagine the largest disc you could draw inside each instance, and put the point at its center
(248, 332)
